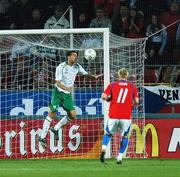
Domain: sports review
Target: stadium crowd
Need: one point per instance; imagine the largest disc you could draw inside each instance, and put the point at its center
(126, 18)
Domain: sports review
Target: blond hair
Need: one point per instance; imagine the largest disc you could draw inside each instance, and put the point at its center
(123, 73)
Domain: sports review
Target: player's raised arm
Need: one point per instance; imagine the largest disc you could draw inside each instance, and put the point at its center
(92, 76)
(82, 71)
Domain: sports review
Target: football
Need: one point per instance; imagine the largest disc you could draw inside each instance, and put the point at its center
(89, 54)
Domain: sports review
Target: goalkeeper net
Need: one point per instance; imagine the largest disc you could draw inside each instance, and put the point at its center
(28, 62)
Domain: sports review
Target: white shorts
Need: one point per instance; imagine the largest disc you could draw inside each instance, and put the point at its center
(121, 125)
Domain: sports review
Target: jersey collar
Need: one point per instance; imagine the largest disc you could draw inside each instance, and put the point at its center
(122, 80)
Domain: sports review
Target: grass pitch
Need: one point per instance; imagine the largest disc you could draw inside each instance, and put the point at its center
(90, 168)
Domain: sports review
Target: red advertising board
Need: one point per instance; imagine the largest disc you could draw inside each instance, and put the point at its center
(82, 139)
(19, 139)
(160, 138)
(163, 138)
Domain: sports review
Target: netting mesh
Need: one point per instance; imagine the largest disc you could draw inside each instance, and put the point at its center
(28, 64)
(129, 53)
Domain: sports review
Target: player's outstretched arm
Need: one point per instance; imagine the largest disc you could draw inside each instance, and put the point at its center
(91, 76)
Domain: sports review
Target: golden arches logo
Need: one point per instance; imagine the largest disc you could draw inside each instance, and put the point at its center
(141, 136)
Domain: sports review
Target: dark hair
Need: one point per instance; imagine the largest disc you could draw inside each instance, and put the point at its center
(124, 4)
(157, 15)
(100, 8)
(70, 52)
(58, 8)
(133, 7)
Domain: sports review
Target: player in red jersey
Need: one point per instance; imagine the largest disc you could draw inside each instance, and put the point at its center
(123, 96)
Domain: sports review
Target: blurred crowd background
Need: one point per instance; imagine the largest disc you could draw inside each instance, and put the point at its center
(126, 18)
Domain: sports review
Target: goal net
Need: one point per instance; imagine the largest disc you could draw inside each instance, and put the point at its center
(130, 54)
(28, 62)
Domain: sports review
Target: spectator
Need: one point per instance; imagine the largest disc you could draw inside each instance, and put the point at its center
(19, 12)
(178, 37)
(101, 21)
(4, 6)
(21, 63)
(177, 81)
(83, 5)
(120, 21)
(41, 75)
(107, 5)
(132, 3)
(57, 21)
(165, 76)
(21, 71)
(20, 48)
(151, 75)
(6, 71)
(135, 24)
(149, 6)
(176, 50)
(157, 42)
(169, 2)
(46, 6)
(36, 21)
(167, 19)
(82, 21)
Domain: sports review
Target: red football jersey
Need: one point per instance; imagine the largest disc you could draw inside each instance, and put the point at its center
(123, 94)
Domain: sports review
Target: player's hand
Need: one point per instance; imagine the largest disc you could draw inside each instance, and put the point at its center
(104, 96)
(98, 76)
(109, 98)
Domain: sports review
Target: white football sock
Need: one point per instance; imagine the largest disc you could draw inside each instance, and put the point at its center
(62, 122)
(104, 148)
(46, 126)
(120, 156)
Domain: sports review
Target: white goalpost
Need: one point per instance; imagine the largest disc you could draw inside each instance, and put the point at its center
(28, 62)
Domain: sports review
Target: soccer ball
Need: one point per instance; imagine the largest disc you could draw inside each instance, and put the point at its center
(89, 54)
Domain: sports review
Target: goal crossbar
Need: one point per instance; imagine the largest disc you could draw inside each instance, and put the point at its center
(54, 31)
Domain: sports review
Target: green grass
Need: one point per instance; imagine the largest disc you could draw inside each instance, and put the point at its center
(90, 168)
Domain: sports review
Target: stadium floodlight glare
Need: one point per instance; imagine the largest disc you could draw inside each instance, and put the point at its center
(28, 62)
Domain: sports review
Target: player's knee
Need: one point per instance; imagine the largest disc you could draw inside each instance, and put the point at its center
(125, 135)
(72, 115)
(52, 115)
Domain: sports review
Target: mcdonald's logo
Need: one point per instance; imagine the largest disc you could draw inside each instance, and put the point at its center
(141, 137)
